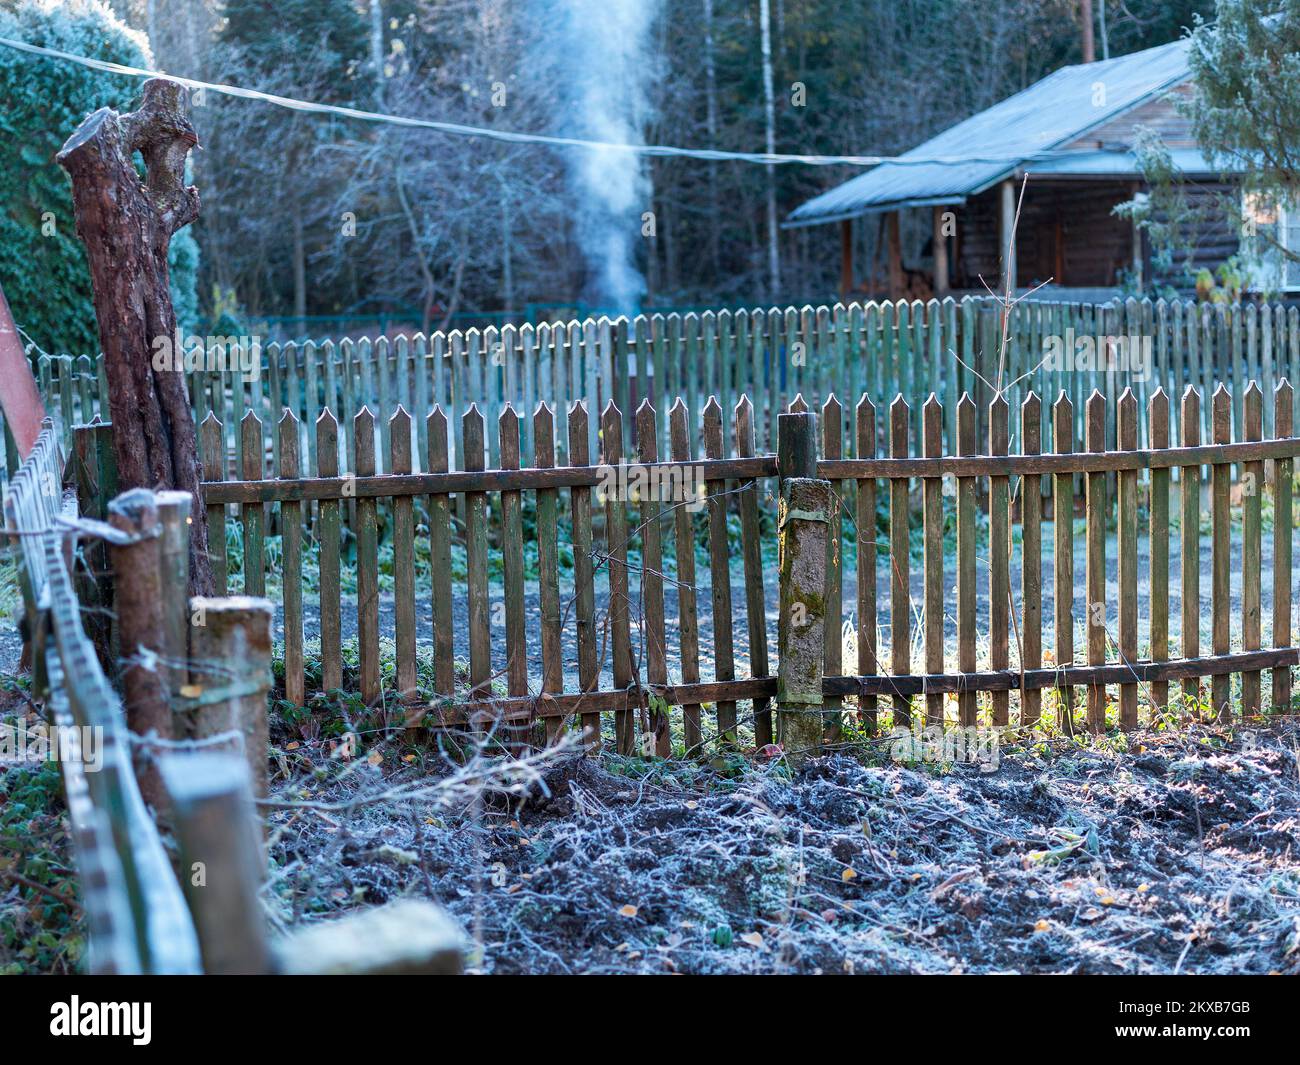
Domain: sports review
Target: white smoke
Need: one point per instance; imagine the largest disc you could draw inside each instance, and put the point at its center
(605, 77)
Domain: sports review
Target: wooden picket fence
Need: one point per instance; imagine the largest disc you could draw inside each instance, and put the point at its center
(622, 651)
(947, 347)
(137, 920)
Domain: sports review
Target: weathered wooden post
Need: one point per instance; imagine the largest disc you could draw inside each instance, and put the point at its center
(221, 862)
(174, 572)
(138, 592)
(230, 674)
(127, 226)
(801, 626)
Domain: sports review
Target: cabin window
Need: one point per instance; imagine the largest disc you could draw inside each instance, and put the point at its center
(1266, 222)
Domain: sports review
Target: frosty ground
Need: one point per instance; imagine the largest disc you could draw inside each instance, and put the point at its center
(1177, 855)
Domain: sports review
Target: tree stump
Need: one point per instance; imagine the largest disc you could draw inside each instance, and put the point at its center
(127, 226)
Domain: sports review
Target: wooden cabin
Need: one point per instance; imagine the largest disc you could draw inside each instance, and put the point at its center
(943, 212)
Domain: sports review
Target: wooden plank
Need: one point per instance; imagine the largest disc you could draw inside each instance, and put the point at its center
(900, 567)
(1158, 435)
(999, 558)
(1282, 551)
(548, 568)
(399, 461)
(367, 530)
(253, 515)
(688, 627)
(1142, 672)
(291, 539)
(584, 588)
(1095, 576)
(652, 582)
(616, 536)
(865, 522)
(966, 444)
(724, 667)
(214, 469)
(331, 650)
(1252, 489)
(1221, 551)
(1031, 559)
(1190, 539)
(512, 560)
(1063, 557)
(472, 457)
(832, 443)
(752, 553)
(1127, 422)
(932, 493)
(439, 510)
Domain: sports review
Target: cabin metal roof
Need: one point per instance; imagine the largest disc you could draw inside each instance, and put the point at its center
(1029, 127)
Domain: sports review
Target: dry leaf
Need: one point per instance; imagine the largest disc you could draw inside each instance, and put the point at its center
(628, 911)
(754, 939)
(1041, 926)
(848, 874)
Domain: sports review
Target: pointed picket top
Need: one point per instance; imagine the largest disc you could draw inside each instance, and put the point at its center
(932, 427)
(966, 405)
(798, 405)
(436, 416)
(1126, 420)
(1221, 414)
(865, 406)
(966, 427)
(544, 435)
(363, 421)
(744, 408)
(1031, 424)
(1191, 399)
(213, 420)
(542, 412)
(287, 418)
(713, 409)
(1127, 401)
(645, 408)
(831, 408)
(1158, 417)
(1283, 410)
(899, 415)
(1252, 412)
(1094, 421)
(399, 420)
(610, 410)
(508, 418)
(250, 418)
(999, 429)
(678, 403)
(1063, 424)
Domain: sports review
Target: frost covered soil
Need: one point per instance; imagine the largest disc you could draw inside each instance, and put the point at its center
(1179, 855)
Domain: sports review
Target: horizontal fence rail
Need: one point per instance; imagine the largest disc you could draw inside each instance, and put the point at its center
(948, 347)
(1044, 548)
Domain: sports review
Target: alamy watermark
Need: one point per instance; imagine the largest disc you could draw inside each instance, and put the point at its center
(664, 483)
(42, 742)
(1071, 353)
(189, 354)
(935, 744)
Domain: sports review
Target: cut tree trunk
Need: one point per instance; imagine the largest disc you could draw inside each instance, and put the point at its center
(127, 226)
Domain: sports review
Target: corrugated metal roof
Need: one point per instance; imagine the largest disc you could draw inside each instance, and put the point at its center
(1025, 126)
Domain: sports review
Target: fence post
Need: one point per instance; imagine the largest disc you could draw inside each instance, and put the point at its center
(138, 593)
(804, 524)
(230, 674)
(221, 861)
(174, 576)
